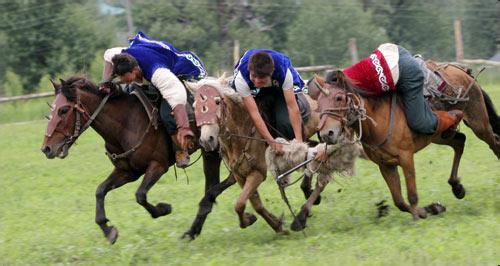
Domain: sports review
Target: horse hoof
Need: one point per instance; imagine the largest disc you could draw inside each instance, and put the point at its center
(283, 232)
(163, 209)
(189, 235)
(112, 235)
(458, 191)
(318, 200)
(297, 225)
(435, 208)
(249, 219)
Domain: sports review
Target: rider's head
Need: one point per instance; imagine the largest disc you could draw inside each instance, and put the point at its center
(126, 67)
(261, 67)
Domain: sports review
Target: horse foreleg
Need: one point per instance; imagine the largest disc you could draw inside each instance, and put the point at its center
(306, 188)
(252, 181)
(408, 166)
(299, 223)
(457, 143)
(211, 168)
(116, 179)
(152, 175)
(391, 177)
(205, 206)
(273, 221)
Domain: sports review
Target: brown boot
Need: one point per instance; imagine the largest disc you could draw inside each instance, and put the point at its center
(448, 122)
(183, 140)
(181, 156)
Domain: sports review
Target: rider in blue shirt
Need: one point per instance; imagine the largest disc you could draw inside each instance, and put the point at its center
(270, 86)
(159, 63)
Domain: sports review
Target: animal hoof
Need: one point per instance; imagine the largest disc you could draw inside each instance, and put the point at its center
(458, 191)
(189, 235)
(112, 235)
(249, 219)
(163, 209)
(435, 208)
(318, 200)
(297, 225)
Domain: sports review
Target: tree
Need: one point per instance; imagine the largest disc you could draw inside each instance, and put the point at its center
(12, 84)
(481, 28)
(51, 37)
(321, 31)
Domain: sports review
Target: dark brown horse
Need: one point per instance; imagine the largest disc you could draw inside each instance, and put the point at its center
(344, 108)
(224, 121)
(134, 147)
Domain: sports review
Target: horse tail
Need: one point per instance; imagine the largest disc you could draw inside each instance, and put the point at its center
(492, 113)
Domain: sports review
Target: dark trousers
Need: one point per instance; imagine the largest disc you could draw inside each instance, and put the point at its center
(273, 109)
(410, 86)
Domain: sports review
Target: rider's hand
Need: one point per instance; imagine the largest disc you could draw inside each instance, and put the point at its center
(320, 153)
(277, 147)
(106, 87)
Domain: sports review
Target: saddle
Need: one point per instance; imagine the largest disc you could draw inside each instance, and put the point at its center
(438, 90)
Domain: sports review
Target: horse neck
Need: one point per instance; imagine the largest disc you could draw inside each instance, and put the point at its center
(109, 119)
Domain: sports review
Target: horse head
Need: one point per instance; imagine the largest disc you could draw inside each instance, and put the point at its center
(208, 111)
(65, 120)
(338, 105)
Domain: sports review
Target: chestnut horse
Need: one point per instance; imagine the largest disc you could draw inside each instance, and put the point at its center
(135, 149)
(344, 108)
(224, 121)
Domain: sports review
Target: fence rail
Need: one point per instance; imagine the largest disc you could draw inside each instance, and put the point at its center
(26, 97)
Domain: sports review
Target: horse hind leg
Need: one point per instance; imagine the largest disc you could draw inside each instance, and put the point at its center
(152, 175)
(205, 206)
(273, 221)
(457, 143)
(116, 179)
(299, 223)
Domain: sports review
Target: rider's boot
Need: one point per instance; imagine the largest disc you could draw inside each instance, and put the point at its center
(184, 133)
(448, 122)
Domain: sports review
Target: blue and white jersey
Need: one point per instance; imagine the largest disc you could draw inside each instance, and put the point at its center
(284, 75)
(152, 55)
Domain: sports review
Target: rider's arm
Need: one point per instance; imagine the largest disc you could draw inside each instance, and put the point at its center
(259, 123)
(170, 87)
(291, 104)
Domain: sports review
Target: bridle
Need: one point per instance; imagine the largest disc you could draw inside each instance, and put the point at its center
(353, 111)
(81, 111)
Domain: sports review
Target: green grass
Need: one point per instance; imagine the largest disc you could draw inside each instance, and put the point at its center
(47, 213)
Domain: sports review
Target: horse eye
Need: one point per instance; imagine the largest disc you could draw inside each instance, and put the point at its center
(339, 98)
(63, 110)
(217, 100)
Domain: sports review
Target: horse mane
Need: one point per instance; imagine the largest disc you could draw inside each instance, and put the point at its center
(68, 87)
(221, 84)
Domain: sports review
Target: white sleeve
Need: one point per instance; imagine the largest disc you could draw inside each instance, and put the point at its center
(241, 85)
(170, 87)
(108, 54)
(288, 82)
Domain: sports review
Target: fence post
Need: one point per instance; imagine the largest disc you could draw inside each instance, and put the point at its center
(459, 46)
(236, 51)
(353, 49)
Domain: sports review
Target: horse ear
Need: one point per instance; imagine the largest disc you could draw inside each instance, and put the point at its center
(340, 77)
(62, 81)
(55, 85)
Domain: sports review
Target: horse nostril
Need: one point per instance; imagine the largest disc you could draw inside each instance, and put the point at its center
(331, 133)
(211, 138)
(46, 149)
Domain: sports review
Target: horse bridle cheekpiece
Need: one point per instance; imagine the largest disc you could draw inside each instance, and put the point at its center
(348, 114)
(208, 104)
(60, 102)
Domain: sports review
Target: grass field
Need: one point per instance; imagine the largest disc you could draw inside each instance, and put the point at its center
(47, 213)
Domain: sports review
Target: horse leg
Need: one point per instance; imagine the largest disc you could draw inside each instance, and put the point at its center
(116, 179)
(476, 116)
(391, 177)
(306, 188)
(211, 168)
(457, 143)
(273, 221)
(252, 181)
(205, 206)
(299, 223)
(152, 175)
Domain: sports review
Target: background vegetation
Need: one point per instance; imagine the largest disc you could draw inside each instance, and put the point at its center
(55, 38)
